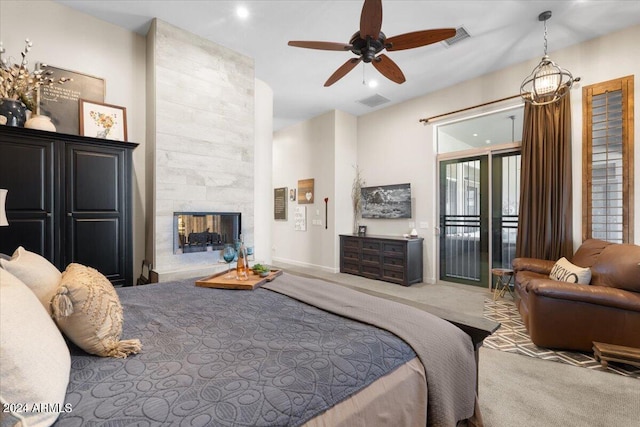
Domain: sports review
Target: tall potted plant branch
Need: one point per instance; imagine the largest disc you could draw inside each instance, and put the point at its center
(356, 198)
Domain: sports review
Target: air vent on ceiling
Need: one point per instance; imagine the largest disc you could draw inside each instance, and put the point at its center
(461, 34)
(373, 101)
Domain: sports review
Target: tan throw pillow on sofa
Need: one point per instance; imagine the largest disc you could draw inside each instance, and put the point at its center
(36, 272)
(35, 361)
(87, 309)
(564, 271)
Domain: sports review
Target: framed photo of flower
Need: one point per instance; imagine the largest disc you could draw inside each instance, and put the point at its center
(104, 121)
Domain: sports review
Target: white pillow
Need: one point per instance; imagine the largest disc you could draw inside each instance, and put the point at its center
(564, 271)
(36, 272)
(35, 359)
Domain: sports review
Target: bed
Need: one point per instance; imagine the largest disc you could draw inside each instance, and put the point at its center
(296, 352)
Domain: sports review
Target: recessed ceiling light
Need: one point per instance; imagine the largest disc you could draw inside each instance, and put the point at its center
(475, 134)
(373, 83)
(242, 12)
(488, 141)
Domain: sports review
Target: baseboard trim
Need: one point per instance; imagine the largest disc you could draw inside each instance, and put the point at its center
(305, 264)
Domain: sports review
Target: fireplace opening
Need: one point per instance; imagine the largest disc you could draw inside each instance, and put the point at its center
(205, 231)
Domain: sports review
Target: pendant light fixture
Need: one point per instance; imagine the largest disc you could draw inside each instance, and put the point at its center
(548, 82)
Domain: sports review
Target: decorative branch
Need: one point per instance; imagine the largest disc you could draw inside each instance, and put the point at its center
(356, 197)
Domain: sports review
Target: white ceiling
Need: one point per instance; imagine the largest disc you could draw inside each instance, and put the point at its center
(502, 33)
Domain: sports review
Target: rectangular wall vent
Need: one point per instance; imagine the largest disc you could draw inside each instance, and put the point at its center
(374, 101)
(461, 34)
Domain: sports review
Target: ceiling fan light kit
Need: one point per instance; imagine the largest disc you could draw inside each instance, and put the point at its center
(548, 82)
(369, 42)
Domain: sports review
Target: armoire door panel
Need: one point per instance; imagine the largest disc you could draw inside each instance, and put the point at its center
(34, 234)
(98, 244)
(26, 171)
(95, 180)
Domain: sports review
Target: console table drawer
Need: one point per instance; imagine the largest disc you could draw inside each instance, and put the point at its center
(372, 271)
(350, 267)
(393, 275)
(351, 243)
(371, 245)
(394, 248)
(393, 261)
(351, 256)
(370, 258)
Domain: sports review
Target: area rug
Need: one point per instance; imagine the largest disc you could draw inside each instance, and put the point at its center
(512, 337)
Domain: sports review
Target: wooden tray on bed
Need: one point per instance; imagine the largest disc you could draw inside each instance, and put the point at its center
(254, 281)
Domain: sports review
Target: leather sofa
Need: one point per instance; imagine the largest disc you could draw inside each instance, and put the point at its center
(572, 316)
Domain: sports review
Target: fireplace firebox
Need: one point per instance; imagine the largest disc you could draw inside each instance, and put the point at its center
(205, 231)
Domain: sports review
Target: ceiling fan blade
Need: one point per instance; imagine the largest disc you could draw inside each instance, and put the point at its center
(320, 45)
(388, 68)
(342, 71)
(371, 19)
(418, 38)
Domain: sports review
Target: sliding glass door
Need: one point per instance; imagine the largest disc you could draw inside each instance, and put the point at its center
(479, 200)
(464, 220)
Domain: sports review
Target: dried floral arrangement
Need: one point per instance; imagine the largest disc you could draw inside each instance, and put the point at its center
(17, 82)
(356, 197)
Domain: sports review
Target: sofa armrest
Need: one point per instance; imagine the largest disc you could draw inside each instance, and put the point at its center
(541, 266)
(599, 295)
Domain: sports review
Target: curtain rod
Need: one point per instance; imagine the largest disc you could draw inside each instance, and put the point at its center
(427, 120)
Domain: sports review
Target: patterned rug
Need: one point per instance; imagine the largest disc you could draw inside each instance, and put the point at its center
(512, 337)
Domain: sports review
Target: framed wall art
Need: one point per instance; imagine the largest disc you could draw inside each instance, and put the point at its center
(386, 201)
(104, 121)
(305, 191)
(292, 194)
(300, 218)
(280, 203)
(60, 101)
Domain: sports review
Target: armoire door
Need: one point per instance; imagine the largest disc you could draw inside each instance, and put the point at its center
(96, 210)
(27, 171)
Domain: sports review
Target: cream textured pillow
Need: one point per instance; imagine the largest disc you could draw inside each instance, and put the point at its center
(87, 309)
(36, 272)
(564, 271)
(35, 359)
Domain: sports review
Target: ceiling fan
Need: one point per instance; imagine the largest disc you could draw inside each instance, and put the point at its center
(370, 41)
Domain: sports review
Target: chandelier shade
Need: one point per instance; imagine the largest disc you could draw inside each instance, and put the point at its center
(548, 82)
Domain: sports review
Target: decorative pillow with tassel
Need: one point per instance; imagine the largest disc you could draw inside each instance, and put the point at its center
(87, 310)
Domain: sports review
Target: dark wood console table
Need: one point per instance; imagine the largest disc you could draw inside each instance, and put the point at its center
(388, 258)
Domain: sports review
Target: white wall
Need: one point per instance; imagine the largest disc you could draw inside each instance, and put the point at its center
(323, 149)
(393, 147)
(263, 161)
(72, 40)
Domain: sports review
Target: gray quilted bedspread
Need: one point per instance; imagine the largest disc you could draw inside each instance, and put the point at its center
(444, 350)
(216, 357)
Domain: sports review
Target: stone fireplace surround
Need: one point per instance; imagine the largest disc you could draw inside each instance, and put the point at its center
(200, 145)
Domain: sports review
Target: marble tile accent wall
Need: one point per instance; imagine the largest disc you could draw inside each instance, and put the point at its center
(204, 139)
